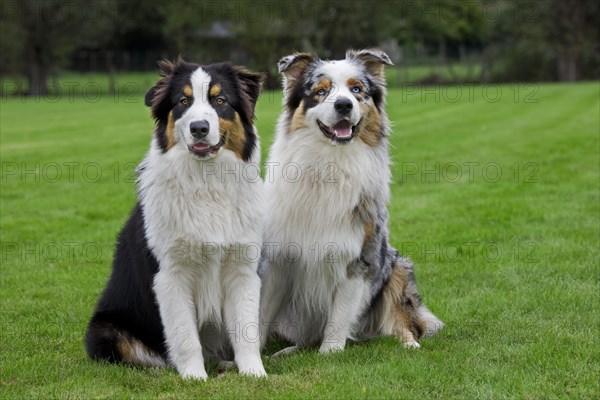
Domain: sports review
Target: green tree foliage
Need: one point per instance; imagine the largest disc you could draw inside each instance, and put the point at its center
(545, 40)
(38, 36)
(517, 39)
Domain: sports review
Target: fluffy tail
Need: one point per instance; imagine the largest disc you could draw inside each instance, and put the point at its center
(402, 313)
(104, 341)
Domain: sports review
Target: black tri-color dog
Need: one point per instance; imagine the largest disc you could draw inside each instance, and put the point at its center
(184, 286)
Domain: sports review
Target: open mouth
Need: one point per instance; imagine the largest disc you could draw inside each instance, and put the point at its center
(202, 149)
(342, 132)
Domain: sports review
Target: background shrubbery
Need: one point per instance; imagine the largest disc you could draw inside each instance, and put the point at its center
(454, 40)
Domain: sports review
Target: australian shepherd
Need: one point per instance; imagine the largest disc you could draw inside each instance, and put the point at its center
(329, 271)
(184, 284)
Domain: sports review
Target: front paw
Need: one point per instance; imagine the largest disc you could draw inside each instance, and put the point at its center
(411, 345)
(331, 347)
(251, 366)
(257, 371)
(194, 372)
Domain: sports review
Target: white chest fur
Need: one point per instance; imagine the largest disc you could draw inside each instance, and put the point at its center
(194, 208)
(312, 189)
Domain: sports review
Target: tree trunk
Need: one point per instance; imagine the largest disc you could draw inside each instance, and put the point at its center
(566, 66)
(466, 60)
(442, 52)
(484, 74)
(453, 75)
(37, 74)
(110, 66)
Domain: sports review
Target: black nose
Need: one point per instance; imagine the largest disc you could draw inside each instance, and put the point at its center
(343, 105)
(199, 129)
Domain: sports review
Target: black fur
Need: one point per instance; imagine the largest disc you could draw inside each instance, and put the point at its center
(165, 97)
(127, 307)
(376, 91)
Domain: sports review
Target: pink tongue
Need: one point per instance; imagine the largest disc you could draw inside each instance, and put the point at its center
(343, 129)
(200, 147)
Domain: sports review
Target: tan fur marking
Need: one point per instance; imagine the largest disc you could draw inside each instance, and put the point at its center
(134, 352)
(324, 83)
(170, 132)
(298, 118)
(215, 90)
(355, 82)
(369, 231)
(126, 350)
(397, 316)
(369, 130)
(187, 90)
(377, 71)
(235, 137)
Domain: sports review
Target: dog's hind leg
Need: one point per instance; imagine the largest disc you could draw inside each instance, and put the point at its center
(104, 341)
(402, 313)
(101, 341)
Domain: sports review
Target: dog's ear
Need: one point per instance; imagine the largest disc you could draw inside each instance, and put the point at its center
(293, 66)
(250, 83)
(374, 59)
(166, 68)
(149, 97)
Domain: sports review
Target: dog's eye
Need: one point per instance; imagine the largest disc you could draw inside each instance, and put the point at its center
(184, 101)
(220, 101)
(321, 92)
(356, 89)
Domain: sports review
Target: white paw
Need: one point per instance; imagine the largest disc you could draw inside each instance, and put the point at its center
(197, 372)
(411, 345)
(331, 347)
(257, 371)
(251, 366)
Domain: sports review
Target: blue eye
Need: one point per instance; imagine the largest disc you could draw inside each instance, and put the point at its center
(356, 89)
(321, 92)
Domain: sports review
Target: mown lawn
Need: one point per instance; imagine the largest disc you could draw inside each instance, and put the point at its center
(495, 196)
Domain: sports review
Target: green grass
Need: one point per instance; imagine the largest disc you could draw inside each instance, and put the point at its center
(509, 263)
